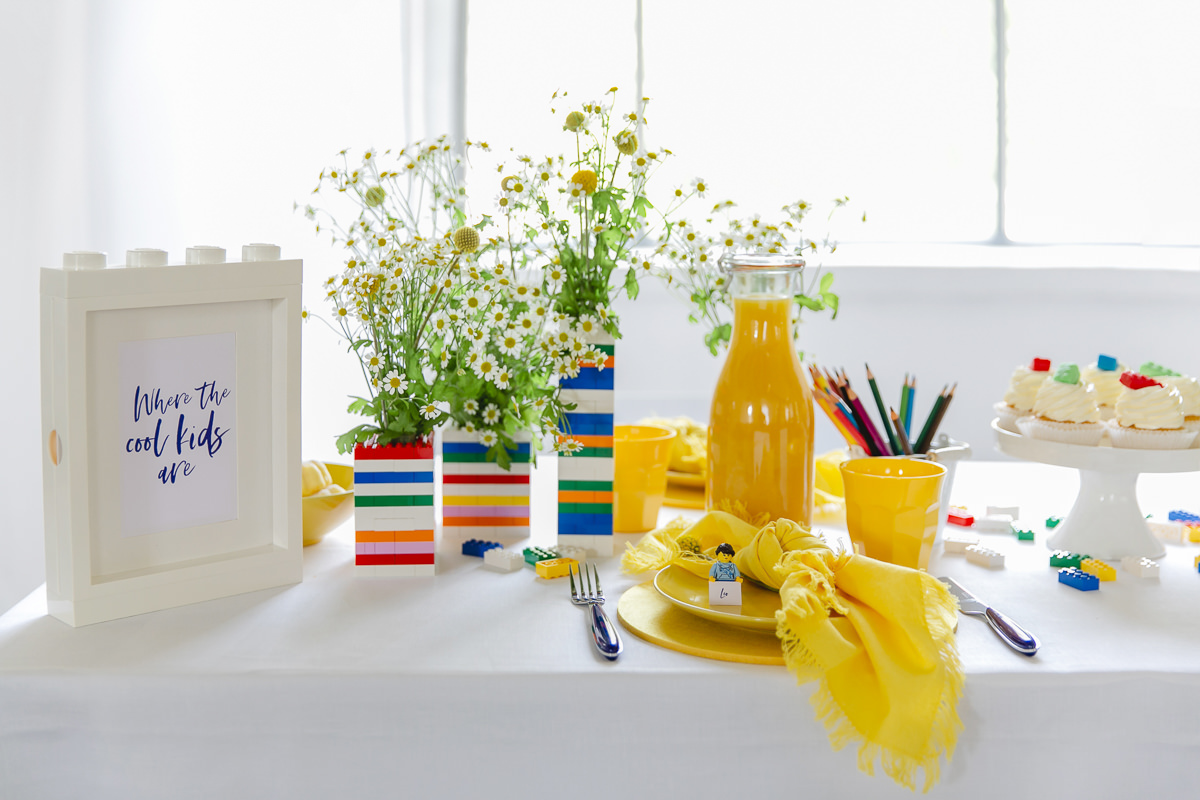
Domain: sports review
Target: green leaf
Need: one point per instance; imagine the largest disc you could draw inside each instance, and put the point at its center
(631, 284)
(641, 205)
(826, 282)
(716, 336)
(831, 300)
(809, 302)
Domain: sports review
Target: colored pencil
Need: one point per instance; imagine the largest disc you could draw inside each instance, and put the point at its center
(922, 444)
(937, 423)
(904, 398)
(871, 430)
(904, 445)
(908, 407)
(887, 428)
(840, 421)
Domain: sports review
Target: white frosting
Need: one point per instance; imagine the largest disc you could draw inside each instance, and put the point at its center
(1189, 391)
(1108, 384)
(1066, 402)
(1150, 408)
(1023, 388)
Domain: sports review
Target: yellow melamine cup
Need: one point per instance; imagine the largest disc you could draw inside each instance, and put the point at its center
(892, 507)
(641, 454)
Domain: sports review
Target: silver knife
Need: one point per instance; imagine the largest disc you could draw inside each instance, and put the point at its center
(1010, 632)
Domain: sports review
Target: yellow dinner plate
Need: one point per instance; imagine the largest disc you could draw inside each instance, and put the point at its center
(690, 592)
(685, 478)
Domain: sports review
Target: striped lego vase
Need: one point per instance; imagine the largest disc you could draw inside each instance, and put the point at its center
(479, 499)
(585, 479)
(393, 510)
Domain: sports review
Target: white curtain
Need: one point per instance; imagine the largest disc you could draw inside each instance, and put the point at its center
(144, 124)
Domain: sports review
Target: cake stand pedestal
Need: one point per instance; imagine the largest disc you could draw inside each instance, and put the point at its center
(1105, 521)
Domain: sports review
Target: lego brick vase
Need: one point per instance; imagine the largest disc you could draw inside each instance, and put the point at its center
(585, 479)
(393, 510)
(478, 497)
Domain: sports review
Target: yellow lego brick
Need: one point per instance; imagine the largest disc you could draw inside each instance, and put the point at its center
(1193, 533)
(555, 567)
(1098, 568)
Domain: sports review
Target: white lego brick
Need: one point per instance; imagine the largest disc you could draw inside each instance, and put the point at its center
(1142, 567)
(1012, 511)
(493, 489)
(574, 468)
(724, 593)
(396, 518)
(423, 570)
(504, 560)
(588, 401)
(958, 544)
(394, 571)
(984, 556)
(393, 465)
(994, 523)
(392, 489)
(596, 546)
(576, 552)
(1173, 532)
(364, 571)
(490, 468)
(601, 337)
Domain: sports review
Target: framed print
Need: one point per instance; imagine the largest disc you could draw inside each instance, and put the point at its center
(171, 423)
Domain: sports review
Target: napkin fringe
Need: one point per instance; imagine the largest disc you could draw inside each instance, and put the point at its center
(900, 767)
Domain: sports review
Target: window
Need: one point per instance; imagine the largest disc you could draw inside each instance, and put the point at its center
(902, 106)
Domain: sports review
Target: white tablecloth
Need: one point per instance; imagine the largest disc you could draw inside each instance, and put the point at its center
(476, 682)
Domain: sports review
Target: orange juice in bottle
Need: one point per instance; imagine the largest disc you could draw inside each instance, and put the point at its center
(760, 434)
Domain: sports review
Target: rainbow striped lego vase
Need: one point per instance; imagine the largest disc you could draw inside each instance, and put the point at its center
(585, 479)
(479, 499)
(394, 518)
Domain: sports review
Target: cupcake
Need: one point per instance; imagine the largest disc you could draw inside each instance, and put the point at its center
(1065, 410)
(1188, 388)
(1022, 391)
(1149, 416)
(1105, 375)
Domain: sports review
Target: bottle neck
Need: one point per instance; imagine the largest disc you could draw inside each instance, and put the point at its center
(762, 320)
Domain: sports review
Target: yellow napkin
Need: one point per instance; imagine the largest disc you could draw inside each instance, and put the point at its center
(878, 637)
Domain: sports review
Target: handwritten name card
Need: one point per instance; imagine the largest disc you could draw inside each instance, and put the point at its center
(178, 434)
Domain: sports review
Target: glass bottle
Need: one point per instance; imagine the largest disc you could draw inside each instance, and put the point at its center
(760, 434)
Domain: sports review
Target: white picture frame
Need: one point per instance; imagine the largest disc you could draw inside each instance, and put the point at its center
(233, 525)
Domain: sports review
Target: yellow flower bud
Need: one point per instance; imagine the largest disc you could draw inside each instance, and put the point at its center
(585, 178)
(574, 120)
(466, 239)
(627, 142)
(375, 196)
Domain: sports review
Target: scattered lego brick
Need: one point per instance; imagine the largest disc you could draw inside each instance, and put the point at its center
(1065, 558)
(1076, 579)
(535, 554)
(555, 567)
(960, 516)
(1179, 515)
(571, 551)
(958, 544)
(1193, 532)
(1141, 567)
(1098, 568)
(1012, 511)
(1022, 534)
(477, 547)
(995, 523)
(1173, 532)
(504, 560)
(984, 556)
(1053, 522)
(1196, 564)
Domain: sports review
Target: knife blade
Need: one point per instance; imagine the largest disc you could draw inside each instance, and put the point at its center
(1008, 630)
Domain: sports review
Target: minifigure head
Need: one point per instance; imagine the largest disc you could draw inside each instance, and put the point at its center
(725, 552)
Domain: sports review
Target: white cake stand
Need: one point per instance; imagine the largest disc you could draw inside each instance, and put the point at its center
(1105, 521)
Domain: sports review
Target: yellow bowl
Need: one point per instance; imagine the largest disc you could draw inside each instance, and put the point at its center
(326, 512)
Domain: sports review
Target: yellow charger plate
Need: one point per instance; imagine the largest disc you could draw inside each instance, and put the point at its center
(685, 478)
(690, 593)
(684, 496)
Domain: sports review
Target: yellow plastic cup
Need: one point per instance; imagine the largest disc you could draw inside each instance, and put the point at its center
(641, 453)
(892, 507)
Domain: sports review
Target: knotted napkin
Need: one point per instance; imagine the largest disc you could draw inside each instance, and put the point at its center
(879, 638)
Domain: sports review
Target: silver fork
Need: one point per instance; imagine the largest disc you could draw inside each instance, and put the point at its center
(604, 633)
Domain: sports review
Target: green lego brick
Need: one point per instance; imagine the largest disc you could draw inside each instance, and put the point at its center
(1065, 558)
(585, 486)
(1023, 535)
(1053, 522)
(536, 554)
(399, 500)
(595, 452)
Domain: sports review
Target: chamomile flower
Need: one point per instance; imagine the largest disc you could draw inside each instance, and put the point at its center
(474, 301)
(488, 438)
(471, 407)
(372, 361)
(699, 186)
(430, 411)
(394, 383)
(440, 323)
(497, 315)
(486, 367)
(502, 378)
(491, 414)
(526, 324)
(567, 446)
(509, 344)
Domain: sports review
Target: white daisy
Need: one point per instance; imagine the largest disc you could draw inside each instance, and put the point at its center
(372, 361)
(488, 438)
(509, 343)
(700, 186)
(430, 411)
(588, 325)
(502, 378)
(394, 383)
(471, 407)
(485, 367)
(526, 324)
(491, 414)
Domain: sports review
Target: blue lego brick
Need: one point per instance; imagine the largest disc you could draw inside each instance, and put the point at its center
(585, 524)
(589, 378)
(1183, 516)
(1083, 581)
(477, 547)
(393, 477)
(590, 424)
(1106, 363)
